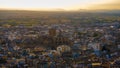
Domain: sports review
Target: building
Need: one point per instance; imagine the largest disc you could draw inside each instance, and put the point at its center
(52, 32)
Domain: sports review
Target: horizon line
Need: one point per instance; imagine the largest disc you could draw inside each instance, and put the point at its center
(57, 9)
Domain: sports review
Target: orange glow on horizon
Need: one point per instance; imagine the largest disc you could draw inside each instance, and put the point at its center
(63, 6)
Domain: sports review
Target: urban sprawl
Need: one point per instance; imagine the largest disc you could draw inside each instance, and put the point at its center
(63, 45)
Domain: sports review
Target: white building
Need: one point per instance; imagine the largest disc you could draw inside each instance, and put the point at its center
(95, 46)
(63, 48)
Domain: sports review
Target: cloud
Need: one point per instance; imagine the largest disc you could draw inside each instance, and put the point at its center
(113, 5)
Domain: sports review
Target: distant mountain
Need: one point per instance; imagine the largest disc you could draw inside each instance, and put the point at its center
(99, 11)
(80, 10)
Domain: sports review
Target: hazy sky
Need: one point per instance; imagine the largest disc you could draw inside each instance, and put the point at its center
(59, 4)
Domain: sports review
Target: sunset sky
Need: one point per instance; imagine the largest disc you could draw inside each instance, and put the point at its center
(59, 4)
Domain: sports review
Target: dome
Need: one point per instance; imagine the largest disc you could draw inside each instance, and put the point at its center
(63, 48)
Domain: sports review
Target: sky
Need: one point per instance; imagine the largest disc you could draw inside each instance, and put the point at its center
(59, 4)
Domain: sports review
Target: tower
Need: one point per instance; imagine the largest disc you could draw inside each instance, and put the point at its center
(52, 32)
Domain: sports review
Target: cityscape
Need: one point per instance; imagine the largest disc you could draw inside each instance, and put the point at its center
(59, 40)
(57, 36)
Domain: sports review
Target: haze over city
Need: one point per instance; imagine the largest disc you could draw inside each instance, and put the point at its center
(59, 33)
(56, 5)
